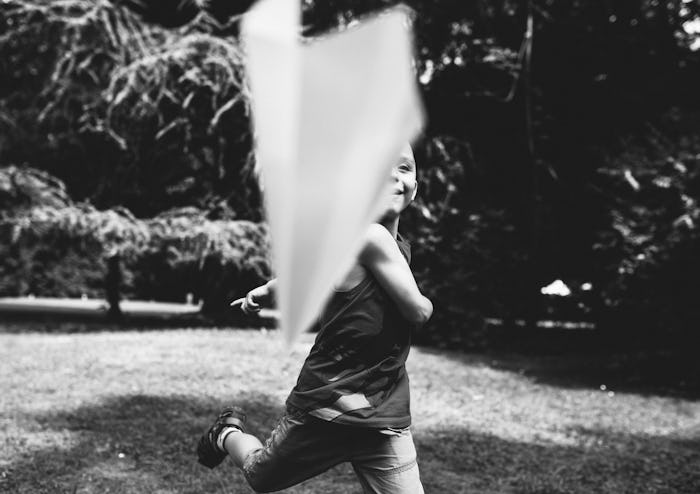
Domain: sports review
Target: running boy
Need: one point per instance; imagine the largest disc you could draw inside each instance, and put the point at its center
(351, 400)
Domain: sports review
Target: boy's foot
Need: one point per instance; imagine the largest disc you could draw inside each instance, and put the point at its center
(210, 451)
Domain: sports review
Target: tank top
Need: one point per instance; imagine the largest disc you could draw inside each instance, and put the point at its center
(355, 373)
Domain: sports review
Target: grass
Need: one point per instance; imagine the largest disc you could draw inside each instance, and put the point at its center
(120, 412)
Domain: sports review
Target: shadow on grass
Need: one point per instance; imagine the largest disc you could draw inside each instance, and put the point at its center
(601, 462)
(142, 443)
(648, 373)
(134, 443)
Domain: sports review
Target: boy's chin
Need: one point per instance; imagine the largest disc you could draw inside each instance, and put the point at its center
(390, 214)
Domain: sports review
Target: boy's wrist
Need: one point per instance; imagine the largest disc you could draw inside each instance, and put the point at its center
(270, 288)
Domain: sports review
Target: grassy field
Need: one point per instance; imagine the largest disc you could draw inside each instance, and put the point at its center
(98, 412)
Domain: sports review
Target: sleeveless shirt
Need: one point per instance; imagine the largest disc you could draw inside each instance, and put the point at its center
(355, 373)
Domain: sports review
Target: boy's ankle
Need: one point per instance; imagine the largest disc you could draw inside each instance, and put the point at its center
(223, 434)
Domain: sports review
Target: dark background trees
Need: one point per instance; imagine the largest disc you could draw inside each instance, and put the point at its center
(571, 154)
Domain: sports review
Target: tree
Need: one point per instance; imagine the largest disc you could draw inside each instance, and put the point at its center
(127, 112)
(159, 109)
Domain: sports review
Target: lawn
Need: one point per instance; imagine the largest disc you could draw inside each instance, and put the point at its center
(101, 411)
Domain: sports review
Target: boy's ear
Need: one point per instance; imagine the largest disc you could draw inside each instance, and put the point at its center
(415, 191)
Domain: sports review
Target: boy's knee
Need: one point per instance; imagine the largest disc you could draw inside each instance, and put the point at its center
(258, 478)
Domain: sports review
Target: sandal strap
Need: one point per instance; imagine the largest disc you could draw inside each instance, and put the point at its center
(233, 421)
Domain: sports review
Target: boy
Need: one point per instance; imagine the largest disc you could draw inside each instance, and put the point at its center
(351, 400)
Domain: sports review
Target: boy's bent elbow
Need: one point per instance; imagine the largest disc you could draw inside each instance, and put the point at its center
(422, 313)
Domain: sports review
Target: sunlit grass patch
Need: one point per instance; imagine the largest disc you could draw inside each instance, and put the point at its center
(121, 412)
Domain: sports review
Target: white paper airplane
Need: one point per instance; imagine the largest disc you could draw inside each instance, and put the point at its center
(330, 117)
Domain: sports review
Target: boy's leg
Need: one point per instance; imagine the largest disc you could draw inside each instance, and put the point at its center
(388, 465)
(210, 448)
(239, 445)
(295, 451)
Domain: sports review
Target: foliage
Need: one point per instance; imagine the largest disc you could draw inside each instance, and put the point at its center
(60, 251)
(460, 246)
(215, 260)
(648, 256)
(22, 188)
(125, 112)
(525, 165)
(530, 139)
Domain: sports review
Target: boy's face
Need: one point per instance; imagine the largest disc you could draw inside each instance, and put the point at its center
(403, 183)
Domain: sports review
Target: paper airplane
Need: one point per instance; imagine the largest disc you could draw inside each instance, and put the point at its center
(330, 117)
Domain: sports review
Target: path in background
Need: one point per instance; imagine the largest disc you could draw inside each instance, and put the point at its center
(121, 412)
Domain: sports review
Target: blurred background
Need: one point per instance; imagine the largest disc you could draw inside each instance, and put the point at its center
(559, 176)
(555, 230)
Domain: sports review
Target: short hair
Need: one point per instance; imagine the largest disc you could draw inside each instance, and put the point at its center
(407, 152)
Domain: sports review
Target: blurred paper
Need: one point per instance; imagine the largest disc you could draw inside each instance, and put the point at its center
(331, 117)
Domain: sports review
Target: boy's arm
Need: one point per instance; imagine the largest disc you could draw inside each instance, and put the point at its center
(381, 255)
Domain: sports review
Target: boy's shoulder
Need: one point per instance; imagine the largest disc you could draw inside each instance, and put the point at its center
(377, 234)
(379, 242)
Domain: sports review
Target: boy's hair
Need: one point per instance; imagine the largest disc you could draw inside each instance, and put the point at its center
(407, 151)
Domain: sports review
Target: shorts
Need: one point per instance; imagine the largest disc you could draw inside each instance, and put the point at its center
(301, 447)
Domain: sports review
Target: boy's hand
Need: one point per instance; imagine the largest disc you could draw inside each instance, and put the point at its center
(247, 308)
(254, 299)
